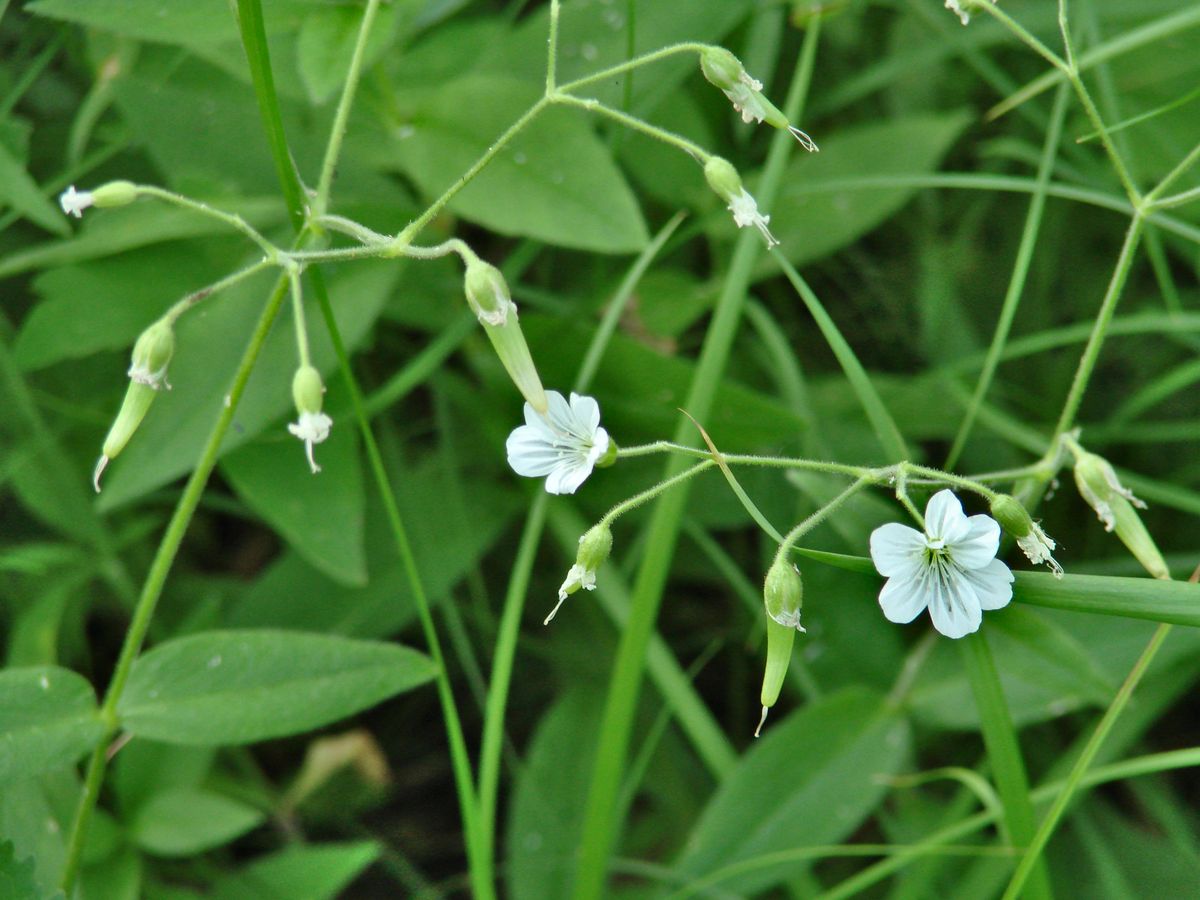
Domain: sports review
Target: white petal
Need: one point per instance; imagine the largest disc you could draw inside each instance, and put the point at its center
(897, 550)
(953, 604)
(535, 420)
(944, 517)
(586, 411)
(902, 599)
(992, 584)
(567, 478)
(978, 545)
(559, 414)
(530, 454)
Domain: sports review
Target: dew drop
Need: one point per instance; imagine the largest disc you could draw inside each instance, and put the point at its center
(214, 662)
(588, 52)
(44, 682)
(519, 158)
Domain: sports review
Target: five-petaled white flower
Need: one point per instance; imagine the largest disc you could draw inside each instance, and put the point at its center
(951, 568)
(563, 445)
(74, 202)
(745, 213)
(312, 428)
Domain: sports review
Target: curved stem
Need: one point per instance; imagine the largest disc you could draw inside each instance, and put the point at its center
(659, 134)
(629, 64)
(232, 220)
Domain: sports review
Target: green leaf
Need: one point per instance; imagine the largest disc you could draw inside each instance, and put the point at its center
(326, 43)
(210, 344)
(312, 872)
(185, 821)
(546, 816)
(16, 877)
(811, 779)
(321, 515)
(237, 687)
(48, 719)
(22, 193)
(812, 216)
(554, 182)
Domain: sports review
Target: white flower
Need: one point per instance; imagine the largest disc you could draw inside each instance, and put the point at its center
(74, 202)
(957, 8)
(747, 99)
(1037, 546)
(745, 213)
(951, 568)
(312, 428)
(564, 445)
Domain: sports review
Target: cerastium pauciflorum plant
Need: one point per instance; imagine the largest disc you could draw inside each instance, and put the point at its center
(338, 179)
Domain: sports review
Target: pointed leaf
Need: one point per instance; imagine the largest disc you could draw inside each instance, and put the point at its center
(48, 719)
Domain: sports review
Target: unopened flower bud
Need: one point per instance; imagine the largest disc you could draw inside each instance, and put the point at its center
(152, 354)
(783, 596)
(594, 547)
(138, 397)
(114, 193)
(312, 427)
(1034, 543)
(1114, 504)
(487, 293)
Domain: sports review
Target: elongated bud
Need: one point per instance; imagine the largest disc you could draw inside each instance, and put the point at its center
(114, 193)
(721, 68)
(138, 397)
(783, 596)
(312, 426)
(1034, 543)
(1114, 504)
(594, 547)
(487, 293)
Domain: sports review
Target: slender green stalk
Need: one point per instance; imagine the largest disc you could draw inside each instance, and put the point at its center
(1174, 175)
(230, 219)
(552, 48)
(1078, 771)
(1091, 352)
(659, 134)
(600, 824)
(1016, 283)
(155, 579)
(341, 117)
(1004, 754)
(631, 64)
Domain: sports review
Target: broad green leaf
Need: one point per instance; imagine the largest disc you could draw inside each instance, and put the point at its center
(811, 779)
(36, 828)
(21, 192)
(1044, 670)
(210, 343)
(322, 515)
(813, 216)
(237, 687)
(184, 821)
(327, 38)
(116, 877)
(144, 768)
(546, 815)
(554, 182)
(48, 719)
(291, 594)
(193, 22)
(301, 872)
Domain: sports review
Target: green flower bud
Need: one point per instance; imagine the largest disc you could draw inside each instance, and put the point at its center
(1114, 505)
(723, 178)
(594, 547)
(152, 354)
(1034, 543)
(720, 67)
(487, 294)
(308, 391)
(783, 596)
(115, 193)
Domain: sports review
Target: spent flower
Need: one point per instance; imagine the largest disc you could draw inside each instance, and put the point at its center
(950, 568)
(313, 425)
(594, 547)
(1037, 546)
(114, 193)
(723, 178)
(564, 444)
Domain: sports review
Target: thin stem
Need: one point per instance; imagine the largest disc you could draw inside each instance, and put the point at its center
(552, 48)
(337, 131)
(797, 532)
(1087, 362)
(1016, 283)
(633, 122)
(649, 494)
(1024, 35)
(402, 240)
(1171, 177)
(230, 219)
(629, 64)
(1078, 771)
(1178, 199)
(298, 315)
(180, 307)
(156, 578)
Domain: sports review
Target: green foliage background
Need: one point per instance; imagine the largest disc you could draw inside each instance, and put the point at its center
(906, 225)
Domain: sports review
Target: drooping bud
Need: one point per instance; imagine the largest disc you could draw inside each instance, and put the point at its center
(488, 295)
(113, 194)
(725, 71)
(723, 178)
(312, 427)
(1114, 504)
(594, 547)
(1034, 543)
(152, 354)
(783, 596)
